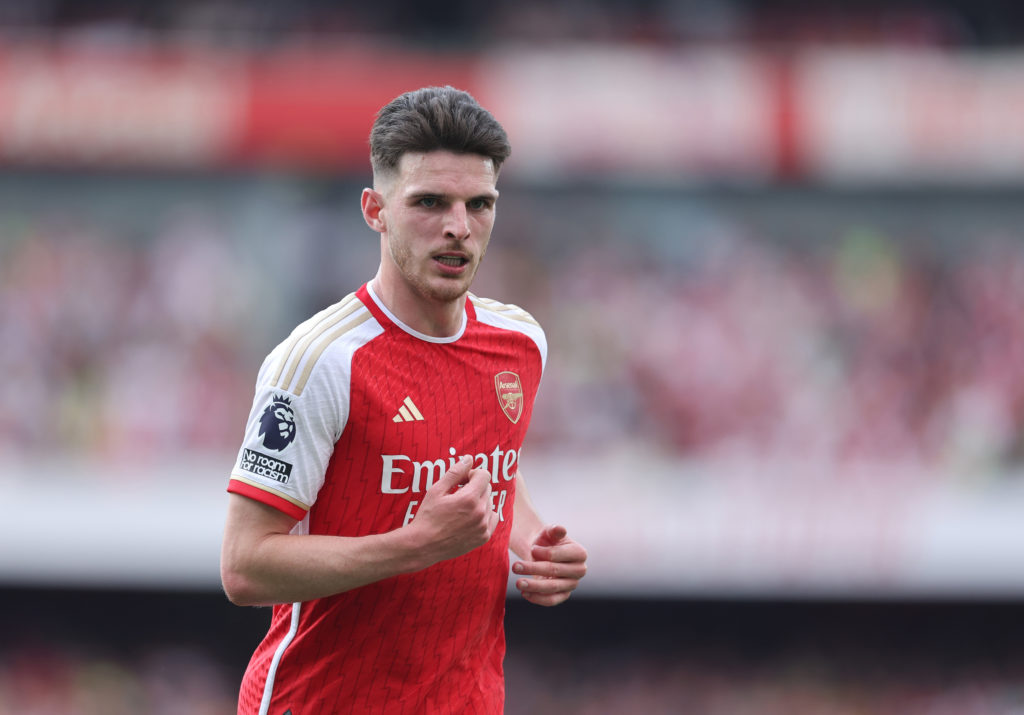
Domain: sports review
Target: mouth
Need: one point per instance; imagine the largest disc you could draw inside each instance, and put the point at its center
(451, 261)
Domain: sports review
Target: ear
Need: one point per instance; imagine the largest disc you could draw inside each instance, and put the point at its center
(372, 203)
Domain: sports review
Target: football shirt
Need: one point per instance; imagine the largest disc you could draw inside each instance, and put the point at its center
(355, 416)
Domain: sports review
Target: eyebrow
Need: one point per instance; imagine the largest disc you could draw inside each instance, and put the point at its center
(416, 196)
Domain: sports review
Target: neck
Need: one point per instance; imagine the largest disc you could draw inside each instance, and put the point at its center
(433, 318)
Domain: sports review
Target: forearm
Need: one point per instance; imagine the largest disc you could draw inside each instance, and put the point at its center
(284, 568)
(262, 562)
(526, 523)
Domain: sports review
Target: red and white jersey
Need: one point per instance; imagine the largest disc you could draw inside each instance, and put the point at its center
(355, 415)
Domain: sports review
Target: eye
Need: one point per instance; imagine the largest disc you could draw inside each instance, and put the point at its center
(479, 204)
(428, 202)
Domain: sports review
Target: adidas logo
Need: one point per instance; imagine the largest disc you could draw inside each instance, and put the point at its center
(407, 412)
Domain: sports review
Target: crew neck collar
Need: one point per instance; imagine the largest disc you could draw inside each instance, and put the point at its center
(411, 331)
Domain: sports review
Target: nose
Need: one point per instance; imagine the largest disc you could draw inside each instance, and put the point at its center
(456, 222)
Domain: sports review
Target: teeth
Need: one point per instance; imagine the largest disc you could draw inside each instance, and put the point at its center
(451, 260)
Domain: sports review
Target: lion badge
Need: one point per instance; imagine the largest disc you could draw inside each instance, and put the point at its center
(277, 423)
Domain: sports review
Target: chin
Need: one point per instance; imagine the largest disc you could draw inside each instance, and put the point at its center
(447, 294)
(449, 289)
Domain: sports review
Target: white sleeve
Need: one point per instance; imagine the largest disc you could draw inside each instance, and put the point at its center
(289, 438)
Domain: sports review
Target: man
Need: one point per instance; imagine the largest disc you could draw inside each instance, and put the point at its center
(378, 490)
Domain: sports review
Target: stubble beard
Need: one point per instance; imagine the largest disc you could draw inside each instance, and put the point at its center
(441, 290)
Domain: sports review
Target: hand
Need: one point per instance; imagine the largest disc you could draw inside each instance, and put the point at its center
(558, 562)
(456, 514)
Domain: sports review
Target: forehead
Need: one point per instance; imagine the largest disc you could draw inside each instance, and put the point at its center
(446, 172)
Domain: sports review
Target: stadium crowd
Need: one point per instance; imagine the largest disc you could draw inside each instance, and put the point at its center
(171, 679)
(856, 352)
(699, 343)
(713, 339)
(273, 22)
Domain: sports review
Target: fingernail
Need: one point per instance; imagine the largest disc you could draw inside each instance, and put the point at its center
(518, 568)
(466, 459)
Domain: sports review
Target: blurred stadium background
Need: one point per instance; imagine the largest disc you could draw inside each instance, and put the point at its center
(778, 248)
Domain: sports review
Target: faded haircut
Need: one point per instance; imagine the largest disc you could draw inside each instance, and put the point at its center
(431, 119)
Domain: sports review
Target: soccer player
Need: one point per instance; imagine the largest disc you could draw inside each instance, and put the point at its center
(377, 491)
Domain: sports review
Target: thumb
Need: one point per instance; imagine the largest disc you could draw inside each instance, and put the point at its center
(458, 474)
(551, 535)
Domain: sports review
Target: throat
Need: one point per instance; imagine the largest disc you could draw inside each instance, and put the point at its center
(420, 310)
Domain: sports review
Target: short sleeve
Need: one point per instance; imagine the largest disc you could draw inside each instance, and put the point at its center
(289, 438)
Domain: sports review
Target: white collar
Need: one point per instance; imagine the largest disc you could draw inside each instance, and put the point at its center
(416, 333)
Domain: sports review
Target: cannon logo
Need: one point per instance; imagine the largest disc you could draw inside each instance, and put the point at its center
(510, 394)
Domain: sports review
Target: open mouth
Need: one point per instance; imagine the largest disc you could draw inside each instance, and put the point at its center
(453, 261)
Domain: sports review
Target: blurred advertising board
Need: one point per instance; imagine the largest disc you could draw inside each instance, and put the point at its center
(652, 527)
(924, 116)
(669, 114)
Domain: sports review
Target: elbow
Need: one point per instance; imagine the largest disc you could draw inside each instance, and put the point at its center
(239, 589)
(235, 592)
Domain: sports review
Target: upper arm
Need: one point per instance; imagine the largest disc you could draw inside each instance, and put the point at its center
(248, 518)
(248, 523)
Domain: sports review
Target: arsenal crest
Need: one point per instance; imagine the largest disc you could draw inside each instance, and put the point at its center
(510, 394)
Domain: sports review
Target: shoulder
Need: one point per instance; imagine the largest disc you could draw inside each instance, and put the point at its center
(489, 310)
(327, 339)
(511, 317)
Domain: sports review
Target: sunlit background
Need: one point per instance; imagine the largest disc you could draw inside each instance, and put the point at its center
(778, 250)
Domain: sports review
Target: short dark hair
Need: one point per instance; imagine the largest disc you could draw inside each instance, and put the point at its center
(435, 118)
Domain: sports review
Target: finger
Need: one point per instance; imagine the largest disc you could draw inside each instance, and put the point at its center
(552, 535)
(455, 476)
(546, 587)
(479, 483)
(551, 569)
(539, 599)
(566, 552)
